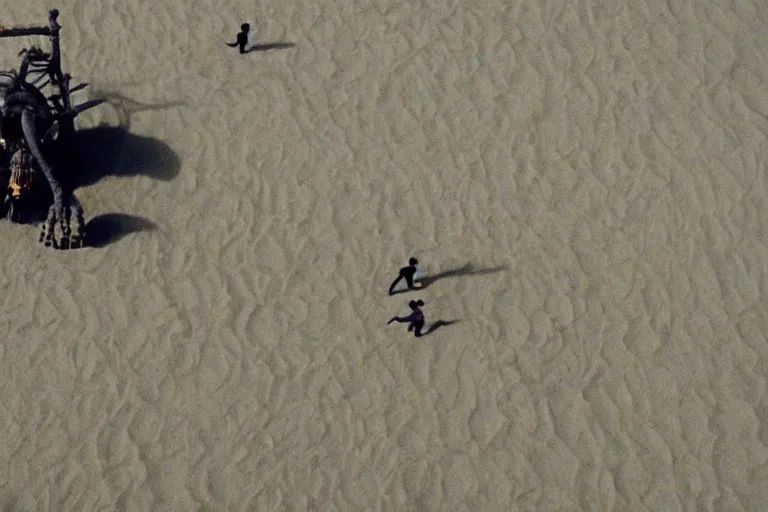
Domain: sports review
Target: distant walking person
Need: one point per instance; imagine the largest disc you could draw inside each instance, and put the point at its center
(416, 318)
(406, 273)
(242, 38)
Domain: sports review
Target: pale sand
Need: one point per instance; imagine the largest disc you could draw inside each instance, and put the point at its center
(611, 156)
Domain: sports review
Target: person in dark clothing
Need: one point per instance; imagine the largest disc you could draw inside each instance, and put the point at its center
(242, 38)
(406, 273)
(415, 319)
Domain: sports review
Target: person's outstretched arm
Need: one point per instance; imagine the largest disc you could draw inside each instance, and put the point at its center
(403, 319)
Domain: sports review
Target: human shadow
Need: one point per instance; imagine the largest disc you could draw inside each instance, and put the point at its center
(269, 46)
(466, 270)
(103, 230)
(435, 326)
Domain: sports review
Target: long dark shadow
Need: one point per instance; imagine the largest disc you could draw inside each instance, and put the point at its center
(103, 230)
(466, 270)
(126, 107)
(435, 326)
(269, 46)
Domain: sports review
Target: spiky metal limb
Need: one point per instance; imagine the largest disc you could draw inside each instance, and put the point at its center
(64, 200)
(52, 117)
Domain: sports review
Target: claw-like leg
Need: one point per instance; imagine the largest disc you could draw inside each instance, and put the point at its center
(63, 201)
(78, 239)
(49, 228)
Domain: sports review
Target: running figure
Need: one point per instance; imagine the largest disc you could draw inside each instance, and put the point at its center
(406, 273)
(415, 319)
(242, 38)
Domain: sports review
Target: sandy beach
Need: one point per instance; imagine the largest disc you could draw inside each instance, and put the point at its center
(587, 180)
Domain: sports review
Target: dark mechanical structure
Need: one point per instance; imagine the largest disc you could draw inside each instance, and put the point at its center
(37, 153)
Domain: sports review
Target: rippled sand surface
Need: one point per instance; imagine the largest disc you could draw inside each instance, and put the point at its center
(600, 166)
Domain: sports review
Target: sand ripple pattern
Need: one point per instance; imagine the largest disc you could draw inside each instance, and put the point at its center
(610, 154)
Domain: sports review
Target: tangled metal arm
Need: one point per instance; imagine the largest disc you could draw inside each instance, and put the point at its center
(64, 200)
(46, 67)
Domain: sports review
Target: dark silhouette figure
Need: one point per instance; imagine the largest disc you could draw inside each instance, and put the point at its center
(242, 38)
(415, 319)
(466, 270)
(406, 273)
